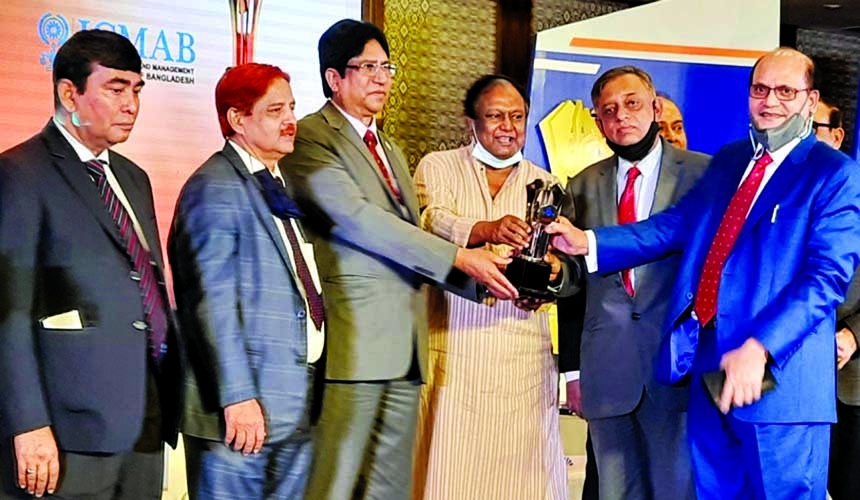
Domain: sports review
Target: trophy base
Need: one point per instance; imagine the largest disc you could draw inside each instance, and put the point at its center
(531, 278)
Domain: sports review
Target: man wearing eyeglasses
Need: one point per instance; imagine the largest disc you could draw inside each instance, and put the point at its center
(355, 187)
(767, 241)
(827, 124)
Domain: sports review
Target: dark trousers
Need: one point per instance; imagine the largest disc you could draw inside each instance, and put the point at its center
(124, 476)
(843, 480)
(590, 490)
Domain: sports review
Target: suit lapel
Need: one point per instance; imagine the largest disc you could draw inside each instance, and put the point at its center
(670, 169)
(261, 208)
(607, 193)
(74, 172)
(401, 177)
(139, 200)
(784, 176)
(349, 134)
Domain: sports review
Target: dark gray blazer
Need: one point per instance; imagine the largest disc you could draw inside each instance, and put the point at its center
(60, 251)
(607, 335)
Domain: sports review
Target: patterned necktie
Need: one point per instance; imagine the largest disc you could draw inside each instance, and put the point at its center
(315, 300)
(627, 215)
(370, 140)
(154, 308)
(730, 227)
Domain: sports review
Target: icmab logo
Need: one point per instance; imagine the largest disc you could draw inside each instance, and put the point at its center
(152, 44)
(54, 31)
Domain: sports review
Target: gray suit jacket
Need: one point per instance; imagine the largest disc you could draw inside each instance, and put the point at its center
(243, 316)
(848, 316)
(611, 337)
(373, 257)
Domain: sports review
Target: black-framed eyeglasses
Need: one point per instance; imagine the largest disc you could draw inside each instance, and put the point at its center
(782, 92)
(372, 68)
(816, 125)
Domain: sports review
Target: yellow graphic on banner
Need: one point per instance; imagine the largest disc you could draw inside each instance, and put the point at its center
(572, 139)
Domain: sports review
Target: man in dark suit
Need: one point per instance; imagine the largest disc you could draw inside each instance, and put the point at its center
(362, 210)
(637, 426)
(89, 370)
(767, 238)
(248, 297)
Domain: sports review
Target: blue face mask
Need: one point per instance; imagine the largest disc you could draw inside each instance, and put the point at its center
(482, 155)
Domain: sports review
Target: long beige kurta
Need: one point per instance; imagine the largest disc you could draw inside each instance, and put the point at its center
(488, 417)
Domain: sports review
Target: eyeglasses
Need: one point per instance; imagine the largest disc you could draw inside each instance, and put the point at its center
(782, 92)
(372, 68)
(816, 125)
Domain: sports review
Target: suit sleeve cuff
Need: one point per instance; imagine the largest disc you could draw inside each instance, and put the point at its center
(591, 256)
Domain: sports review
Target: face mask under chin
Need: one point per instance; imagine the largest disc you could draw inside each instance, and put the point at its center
(774, 138)
(489, 159)
(638, 150)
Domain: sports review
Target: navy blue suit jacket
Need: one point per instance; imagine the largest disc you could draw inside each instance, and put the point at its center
(60, 251)
(787, 272)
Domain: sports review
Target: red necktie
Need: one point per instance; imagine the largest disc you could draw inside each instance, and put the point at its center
(627, 215)
(730, 227)
(315, 300)
(154, 308)
(370, 140)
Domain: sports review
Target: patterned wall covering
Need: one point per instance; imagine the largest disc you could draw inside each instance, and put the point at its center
(551, 13)
(440, 48)
(835, 57)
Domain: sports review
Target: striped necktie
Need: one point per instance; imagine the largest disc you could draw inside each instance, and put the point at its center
(154, 308)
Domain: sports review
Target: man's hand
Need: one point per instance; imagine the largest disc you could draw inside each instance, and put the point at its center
(555, 266)
(483, 266)
(38, 461)
(568, 239)
(246, 426)
(530, 303)
(744, 368)
(574, 397)
(509, 230)
(845, 347)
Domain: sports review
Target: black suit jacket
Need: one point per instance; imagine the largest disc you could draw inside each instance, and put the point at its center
(60, 251)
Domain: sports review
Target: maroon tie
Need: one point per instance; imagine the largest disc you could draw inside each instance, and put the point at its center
(370, 140)
(730, 227)
(154, 308)
(315, 300)
(627, 215)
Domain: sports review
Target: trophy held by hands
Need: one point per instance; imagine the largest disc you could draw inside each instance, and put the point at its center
(528, 271)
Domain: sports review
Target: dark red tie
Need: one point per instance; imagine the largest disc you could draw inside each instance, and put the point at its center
(315, 300)
(627, 215)
(370, 140)
(730, 227)
(154, 308)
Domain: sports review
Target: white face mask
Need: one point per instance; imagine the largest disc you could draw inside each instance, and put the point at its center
(482, 155)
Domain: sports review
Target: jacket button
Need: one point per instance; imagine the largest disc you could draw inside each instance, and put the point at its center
(635, 316)
(300, 314)
(140, 325)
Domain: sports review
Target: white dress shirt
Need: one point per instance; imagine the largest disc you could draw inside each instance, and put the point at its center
(86, 155)
(316, 338)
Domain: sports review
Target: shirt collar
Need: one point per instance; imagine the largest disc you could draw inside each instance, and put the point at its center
(252, 164)
(357, 124)
(647, 166)
(84, 154)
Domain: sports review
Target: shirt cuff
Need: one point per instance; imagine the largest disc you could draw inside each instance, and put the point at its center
(571, 376)
(591, 256)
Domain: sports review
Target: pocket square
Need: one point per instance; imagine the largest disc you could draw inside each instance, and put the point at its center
(70, 320)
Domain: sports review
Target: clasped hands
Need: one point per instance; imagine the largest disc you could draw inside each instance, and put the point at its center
(487, 267)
